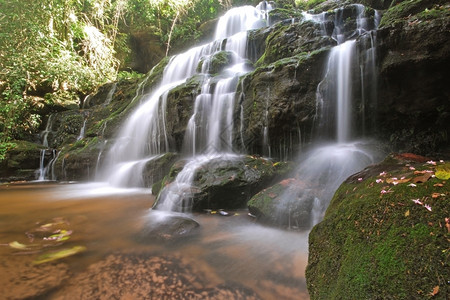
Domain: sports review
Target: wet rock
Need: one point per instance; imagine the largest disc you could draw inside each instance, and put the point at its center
(217, 63)
(286, 40)
(167, 227)
(284, 92)
(413, 103)
(21, 161)
(286, 204)
(222, 183)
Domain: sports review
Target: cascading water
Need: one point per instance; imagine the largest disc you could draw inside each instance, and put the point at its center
(209, 131)
(45, 171)
(324, 168)
(144, 135)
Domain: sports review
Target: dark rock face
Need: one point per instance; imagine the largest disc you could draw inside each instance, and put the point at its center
(414, 95)
(286, 40)
(21, 162)
(280, 97)
(384, 235)
(146, 51)
(222, 182)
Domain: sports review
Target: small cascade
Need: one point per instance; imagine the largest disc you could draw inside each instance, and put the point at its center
(47, 171)
(48, 129)
(47, 156)
(350, 69)
(82, 130)
(177, 197)
(110, 94)
(86, 101)
(42, 165)
(266, 142)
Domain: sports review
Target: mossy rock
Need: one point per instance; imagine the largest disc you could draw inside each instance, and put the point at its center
(414, 11)
(287, 40)
(221, 182)
(284, 204)
(285, 92)
(384, 236)
(21, 161)
(217, 62)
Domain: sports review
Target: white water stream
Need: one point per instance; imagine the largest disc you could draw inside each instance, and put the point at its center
(209, 133)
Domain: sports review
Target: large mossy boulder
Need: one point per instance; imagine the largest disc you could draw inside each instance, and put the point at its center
(219, 182)
(385, 234)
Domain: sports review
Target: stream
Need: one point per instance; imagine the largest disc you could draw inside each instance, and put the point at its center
(228, 256)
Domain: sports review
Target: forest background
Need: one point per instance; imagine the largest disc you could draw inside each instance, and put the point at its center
(55, 52)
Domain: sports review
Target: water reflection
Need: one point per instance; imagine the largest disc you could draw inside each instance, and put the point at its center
(227, 257)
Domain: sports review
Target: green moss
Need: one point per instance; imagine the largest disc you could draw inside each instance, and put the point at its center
(412, 11)
(307, 4)
(377, 245)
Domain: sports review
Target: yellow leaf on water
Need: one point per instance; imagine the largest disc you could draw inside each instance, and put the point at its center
(58, 255)
(19, 246)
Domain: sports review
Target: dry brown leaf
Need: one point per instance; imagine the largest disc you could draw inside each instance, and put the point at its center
(435, 291)
(438, 184)
(423, 178)
(435, 195)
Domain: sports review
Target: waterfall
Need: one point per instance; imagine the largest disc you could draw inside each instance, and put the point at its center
(325, 167)
(82, 130)
(339, 65)
(110, 94)
(45, 171)
(144, 137)
(210, 128)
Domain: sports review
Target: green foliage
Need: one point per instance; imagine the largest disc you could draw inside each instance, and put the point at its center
(51, 47)
(172, 20)
(55, 51)
(5, 147)
(307, 4)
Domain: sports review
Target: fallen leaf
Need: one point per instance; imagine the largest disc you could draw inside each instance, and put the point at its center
(423, 178)
(18, 246)
(438, 185)
(435, 291)
(58, 255)
(435, 195)
(407, 213)
(443, 171)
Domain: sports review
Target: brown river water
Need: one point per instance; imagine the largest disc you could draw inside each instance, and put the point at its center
(228, 257)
